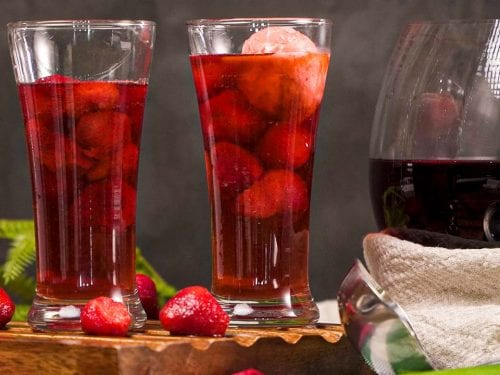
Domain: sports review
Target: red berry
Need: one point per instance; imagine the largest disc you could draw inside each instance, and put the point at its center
(438, 111)
(100, 169)
(286, 88)
(7, 308)
(101, 132)
(228, 116)
(284, 146)
(54, 149)
(104, 317)
(234, 168)
(194, 311)
(148, 295)
(208, 77)
(92, 96)
(278, 191)
(249, 371)
(132, 100)
(105, 203)
(124, 161)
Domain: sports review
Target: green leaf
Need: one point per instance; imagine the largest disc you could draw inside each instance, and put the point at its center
(21, 313)
(394, 208)
(20, 256)
(481, 370)
(164, 289)
(23, 287)
(10, 229)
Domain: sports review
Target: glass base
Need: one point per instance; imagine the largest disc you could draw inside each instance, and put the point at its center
(271, 313)
(49, 314)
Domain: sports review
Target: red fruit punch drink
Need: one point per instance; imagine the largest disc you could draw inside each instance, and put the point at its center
(84, 143)
(259, 114)
(83, 139)
(82, 94)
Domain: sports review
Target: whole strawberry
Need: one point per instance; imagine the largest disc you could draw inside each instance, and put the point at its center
(148, 295)
(7, 308)
(104, 317)
(194, 311)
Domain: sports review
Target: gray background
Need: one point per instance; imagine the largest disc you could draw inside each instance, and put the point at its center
(173, 214)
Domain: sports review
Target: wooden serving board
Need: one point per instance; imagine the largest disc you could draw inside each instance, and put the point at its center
(315, 350)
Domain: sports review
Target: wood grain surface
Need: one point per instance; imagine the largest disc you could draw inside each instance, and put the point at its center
(315, 350)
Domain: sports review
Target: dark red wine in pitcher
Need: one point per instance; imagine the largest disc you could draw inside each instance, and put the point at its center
(457, 197)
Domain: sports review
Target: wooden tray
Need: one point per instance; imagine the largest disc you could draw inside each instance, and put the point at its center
(321, 350)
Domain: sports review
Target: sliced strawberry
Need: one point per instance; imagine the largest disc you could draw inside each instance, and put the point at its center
(194, 311)
(104, 317)
(7, 308)
(228, 116)
(101, 132)
(234, 168)
(148, 295)
(277, 192)
(105, 203)
(92, 96)
(287, 87)
(285, 146)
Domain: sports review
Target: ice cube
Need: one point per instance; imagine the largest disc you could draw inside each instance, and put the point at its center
(242, 309)
(278, 39)
(69, 312)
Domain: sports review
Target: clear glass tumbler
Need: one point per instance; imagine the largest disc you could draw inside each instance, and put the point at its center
(260, 84)
(82, 86)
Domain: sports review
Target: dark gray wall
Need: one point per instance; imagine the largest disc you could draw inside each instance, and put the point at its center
(173, 214)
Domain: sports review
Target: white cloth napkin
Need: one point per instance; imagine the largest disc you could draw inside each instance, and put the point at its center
(452, 297)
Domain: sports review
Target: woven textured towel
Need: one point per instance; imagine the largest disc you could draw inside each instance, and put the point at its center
(452, 296)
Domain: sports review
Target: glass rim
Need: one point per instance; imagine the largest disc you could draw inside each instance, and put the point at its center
(276, 21)
(72, 23)
(454, 21)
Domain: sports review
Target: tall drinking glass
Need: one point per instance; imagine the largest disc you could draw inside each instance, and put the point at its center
(435, 144)
(259, 84)
(82, 86)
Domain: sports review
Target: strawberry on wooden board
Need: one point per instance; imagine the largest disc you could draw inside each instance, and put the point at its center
(148, 295)
(7, 308)
(104, 317)
(194, 311)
